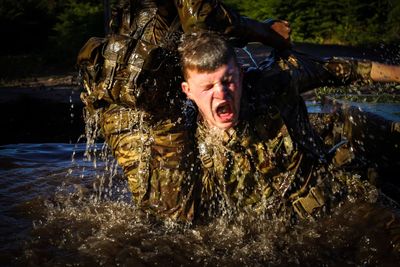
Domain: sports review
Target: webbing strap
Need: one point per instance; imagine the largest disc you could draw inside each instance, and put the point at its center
(305, 206)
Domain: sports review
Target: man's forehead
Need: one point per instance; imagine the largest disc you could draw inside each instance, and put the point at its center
(226, 69)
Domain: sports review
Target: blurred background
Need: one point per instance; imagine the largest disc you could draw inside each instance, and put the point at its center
(44, 36)
(39, 85)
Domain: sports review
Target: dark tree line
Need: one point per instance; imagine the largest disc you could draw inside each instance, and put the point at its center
(56, 29)
(350, 22)
(53, 29)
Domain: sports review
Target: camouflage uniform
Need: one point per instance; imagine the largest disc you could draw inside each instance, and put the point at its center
(132, 79)
(266, 163)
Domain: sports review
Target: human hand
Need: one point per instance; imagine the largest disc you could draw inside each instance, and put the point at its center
(282, 27)
(279, 34)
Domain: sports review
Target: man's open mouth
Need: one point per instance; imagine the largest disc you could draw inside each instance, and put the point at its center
(224, 111)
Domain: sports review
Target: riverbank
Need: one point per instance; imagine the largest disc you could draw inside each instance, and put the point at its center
(41, 110)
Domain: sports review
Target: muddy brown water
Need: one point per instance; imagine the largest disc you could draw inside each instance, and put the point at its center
(58, 208)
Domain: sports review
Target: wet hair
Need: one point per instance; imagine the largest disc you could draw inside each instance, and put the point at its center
(204, 52)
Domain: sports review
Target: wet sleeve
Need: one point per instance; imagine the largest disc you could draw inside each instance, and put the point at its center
(215, 16)
(347, 70)
(282, 83)
(278, 85)
(307, 73)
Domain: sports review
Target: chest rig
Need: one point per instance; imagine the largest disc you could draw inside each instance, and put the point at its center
(112, 67)
(256, 166)
(244, 165)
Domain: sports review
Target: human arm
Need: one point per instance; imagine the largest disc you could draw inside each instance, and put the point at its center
(213, 15)
(385, 73)
(274, 33)
(282, 83)
(311, 73)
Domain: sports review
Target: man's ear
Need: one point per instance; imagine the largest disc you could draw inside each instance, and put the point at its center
(186, 89)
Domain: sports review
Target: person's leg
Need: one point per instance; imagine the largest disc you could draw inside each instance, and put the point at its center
(157, 160)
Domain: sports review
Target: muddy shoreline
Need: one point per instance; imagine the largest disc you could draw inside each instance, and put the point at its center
(42, 110)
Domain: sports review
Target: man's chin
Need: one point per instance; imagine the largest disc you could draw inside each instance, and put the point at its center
(225, 125)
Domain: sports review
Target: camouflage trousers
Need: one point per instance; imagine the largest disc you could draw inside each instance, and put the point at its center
(157, 158)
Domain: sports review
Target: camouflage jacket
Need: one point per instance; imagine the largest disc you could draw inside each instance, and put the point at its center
(132, 80)
(265, 162)
(137, 65)
(280, 80)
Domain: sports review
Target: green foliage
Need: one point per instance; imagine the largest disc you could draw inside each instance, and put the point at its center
(393, 21)
(50, 29)
(54, 30)
(352, 22)
(256, 9)
(24, 9)
(22, 22)
(75, 24)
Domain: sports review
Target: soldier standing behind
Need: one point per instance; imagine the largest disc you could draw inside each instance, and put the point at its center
(132, 78)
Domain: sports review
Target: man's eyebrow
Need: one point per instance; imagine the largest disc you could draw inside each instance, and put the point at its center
(206, 83)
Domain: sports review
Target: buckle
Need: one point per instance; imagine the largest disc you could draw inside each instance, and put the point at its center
(305, 206)
(207, 161)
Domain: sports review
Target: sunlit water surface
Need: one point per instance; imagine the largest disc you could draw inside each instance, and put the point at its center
(58, 208)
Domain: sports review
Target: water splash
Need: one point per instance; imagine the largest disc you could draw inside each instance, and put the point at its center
(73, 226)
(114, 233)
(250, 55)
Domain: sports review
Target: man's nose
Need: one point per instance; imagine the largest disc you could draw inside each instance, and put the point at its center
(220, 90)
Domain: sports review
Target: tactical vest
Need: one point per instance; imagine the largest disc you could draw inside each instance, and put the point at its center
(255, 167)
(112, 67)
(242, 168)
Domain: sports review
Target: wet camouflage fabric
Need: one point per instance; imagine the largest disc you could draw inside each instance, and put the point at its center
(266, 163)
(133, 77)
(137, 64)
(281, 79)
(157, 158)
